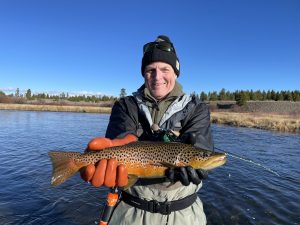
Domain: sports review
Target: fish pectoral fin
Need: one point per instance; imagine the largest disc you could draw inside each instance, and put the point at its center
(152, 163)
(132, 179)
(166, 164)
(156, 164)
(162, 163)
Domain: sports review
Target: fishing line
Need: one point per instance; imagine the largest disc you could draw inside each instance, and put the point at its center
(249, 161)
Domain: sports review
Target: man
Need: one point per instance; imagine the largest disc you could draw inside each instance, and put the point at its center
(158, 111)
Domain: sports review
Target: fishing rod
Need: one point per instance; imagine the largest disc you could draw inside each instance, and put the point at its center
(248, 160)
(111, 202)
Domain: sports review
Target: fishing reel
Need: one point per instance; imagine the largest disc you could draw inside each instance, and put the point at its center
(164, 135)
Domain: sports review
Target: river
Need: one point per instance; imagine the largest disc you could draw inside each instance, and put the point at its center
(260, 183)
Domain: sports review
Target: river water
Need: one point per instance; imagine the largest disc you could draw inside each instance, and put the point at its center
(261, 188)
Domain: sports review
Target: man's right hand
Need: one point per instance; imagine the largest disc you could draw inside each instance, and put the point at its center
(106, 171)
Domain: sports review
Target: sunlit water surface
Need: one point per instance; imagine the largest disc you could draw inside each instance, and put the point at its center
(240, 192)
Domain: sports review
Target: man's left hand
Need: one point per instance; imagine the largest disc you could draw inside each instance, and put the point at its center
(186, 175)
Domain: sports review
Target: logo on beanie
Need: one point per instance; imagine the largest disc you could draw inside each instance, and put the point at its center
(177, 65)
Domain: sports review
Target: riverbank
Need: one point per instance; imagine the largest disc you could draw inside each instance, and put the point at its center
(276, 122)
(55, 108)
(266, 121)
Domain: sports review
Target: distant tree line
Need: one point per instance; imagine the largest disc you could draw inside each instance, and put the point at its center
(62, 96)
(241, 96)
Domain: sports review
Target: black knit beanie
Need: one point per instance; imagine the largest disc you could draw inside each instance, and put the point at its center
(156, 54)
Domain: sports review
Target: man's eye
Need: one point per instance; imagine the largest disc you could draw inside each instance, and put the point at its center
(149, 71)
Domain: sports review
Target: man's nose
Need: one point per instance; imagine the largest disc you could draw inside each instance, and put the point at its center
(157, 73)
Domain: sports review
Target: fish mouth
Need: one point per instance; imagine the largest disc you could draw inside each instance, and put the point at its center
(216, 161)
(212, 162)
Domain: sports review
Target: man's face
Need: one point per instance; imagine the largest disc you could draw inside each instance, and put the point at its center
(159, 79)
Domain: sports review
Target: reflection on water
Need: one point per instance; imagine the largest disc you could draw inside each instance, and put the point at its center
(237, 193)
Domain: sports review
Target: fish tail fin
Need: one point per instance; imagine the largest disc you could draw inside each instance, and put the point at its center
(64, 166)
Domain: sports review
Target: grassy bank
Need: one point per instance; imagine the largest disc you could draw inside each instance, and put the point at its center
(267, 121)
(277, 122)
(55, 108)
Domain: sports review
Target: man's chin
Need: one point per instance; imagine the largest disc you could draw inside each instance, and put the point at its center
(158, 95)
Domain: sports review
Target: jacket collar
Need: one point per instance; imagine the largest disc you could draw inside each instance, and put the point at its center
(146, 95)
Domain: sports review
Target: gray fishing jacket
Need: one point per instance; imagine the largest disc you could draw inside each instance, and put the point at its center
(185, 114)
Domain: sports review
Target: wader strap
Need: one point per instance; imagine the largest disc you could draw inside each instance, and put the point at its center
(154, 206)
(147, 181)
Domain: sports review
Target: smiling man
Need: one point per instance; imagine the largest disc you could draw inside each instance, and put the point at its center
(159, 79)
(158, 111)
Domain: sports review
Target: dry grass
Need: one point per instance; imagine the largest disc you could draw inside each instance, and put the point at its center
(285, 123)
(56, 108)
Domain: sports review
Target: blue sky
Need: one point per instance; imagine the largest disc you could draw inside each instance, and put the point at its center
(96, 46)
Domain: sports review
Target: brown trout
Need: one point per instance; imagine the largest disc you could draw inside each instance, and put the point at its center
(142, 159)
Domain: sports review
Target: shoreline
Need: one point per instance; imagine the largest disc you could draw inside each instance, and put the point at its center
(55, 108)
(265, 121)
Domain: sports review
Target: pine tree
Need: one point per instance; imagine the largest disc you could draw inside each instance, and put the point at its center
(241, 98)
(28, 94)
(17, 93)
(123, 93)
(222, 95)
(203, 96)
(213, 96)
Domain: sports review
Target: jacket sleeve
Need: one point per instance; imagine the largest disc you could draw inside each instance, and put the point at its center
(123, 119)
(197, 127)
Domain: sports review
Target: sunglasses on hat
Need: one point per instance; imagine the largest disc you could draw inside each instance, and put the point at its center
(163, 45)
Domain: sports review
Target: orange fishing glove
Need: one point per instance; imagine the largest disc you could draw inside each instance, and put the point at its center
(106, 171)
